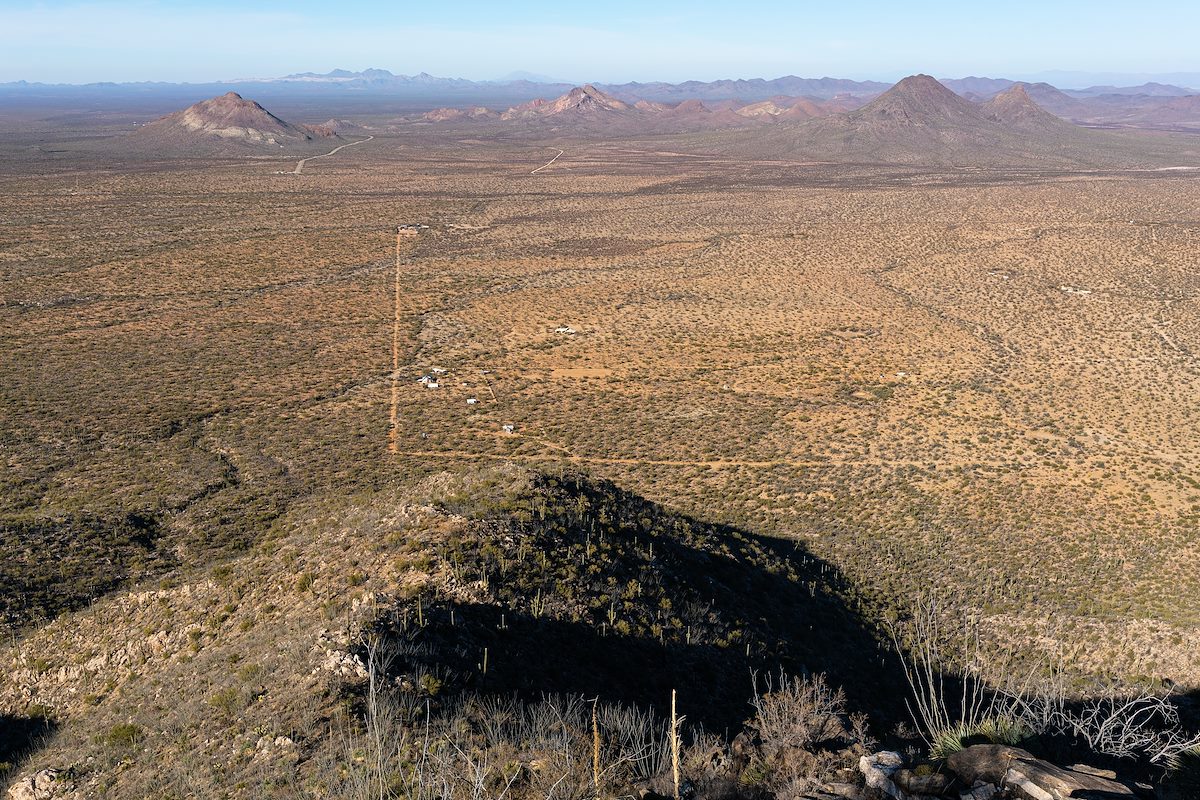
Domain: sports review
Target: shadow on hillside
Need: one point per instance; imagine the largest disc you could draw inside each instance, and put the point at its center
(641, 601)
(1188, 705)
(20, 737)
(49, 565)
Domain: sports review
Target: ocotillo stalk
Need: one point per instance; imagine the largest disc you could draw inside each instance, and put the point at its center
(674, 746)
(596, 748)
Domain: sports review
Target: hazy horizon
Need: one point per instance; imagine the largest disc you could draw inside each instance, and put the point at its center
(1065, 79)
(134, 41)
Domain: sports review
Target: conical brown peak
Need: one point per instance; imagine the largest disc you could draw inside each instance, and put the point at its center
(596, 94)
(919, 99)
(1015, 108)
(1014, 94)
(232, 96)
(920, 84)
(1018, 90)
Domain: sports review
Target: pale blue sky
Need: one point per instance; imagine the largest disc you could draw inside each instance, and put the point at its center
(125, 40)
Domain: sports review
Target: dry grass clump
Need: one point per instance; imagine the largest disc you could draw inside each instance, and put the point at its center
(566, 748)
(802, 735)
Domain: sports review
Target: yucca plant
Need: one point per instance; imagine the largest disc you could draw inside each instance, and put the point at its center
(992, 730)
(1183, 775)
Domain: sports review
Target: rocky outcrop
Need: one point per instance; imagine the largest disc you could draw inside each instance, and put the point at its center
(47, 784)
(1025, 776)
(984, 762)
(877, 773)
(1034, 779)
(990, 772)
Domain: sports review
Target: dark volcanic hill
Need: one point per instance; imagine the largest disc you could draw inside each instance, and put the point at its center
(918, 101)
(226, 123)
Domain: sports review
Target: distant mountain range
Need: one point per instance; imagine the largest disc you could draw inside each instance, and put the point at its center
(917, 121)
(527, 86)
(747, 90)
(754, 88)
(721, 103)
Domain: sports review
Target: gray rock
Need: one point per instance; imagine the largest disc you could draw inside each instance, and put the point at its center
(932, 784)
(980, 791)
(878, 770)
(42, 785)
(1034, 779)
(1099, 773)
(985, 763)
(1031, 778)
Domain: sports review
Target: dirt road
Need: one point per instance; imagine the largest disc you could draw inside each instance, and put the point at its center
(300, 166)
(548, 163)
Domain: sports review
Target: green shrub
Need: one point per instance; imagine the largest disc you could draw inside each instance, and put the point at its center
(227, 700)
(124, 734)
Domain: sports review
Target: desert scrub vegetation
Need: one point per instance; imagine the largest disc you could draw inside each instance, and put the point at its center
(915, 398)
(402, 744)
(870, 342)
(800, 735)
(51, 565)
(496, 747)
(961, 694)
(607, 574)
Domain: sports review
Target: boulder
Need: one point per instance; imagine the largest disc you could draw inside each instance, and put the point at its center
(985, 763)
(980, 791)
(877, 773)
(933, 783)
(1034, 779)
(43, 785)
(1031, 778)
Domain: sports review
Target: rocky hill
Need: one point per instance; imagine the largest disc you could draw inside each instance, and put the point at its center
(225, 124)
(1015, 109)
(582, 100)
(529, 629)
(920, 121)
(498, 583)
